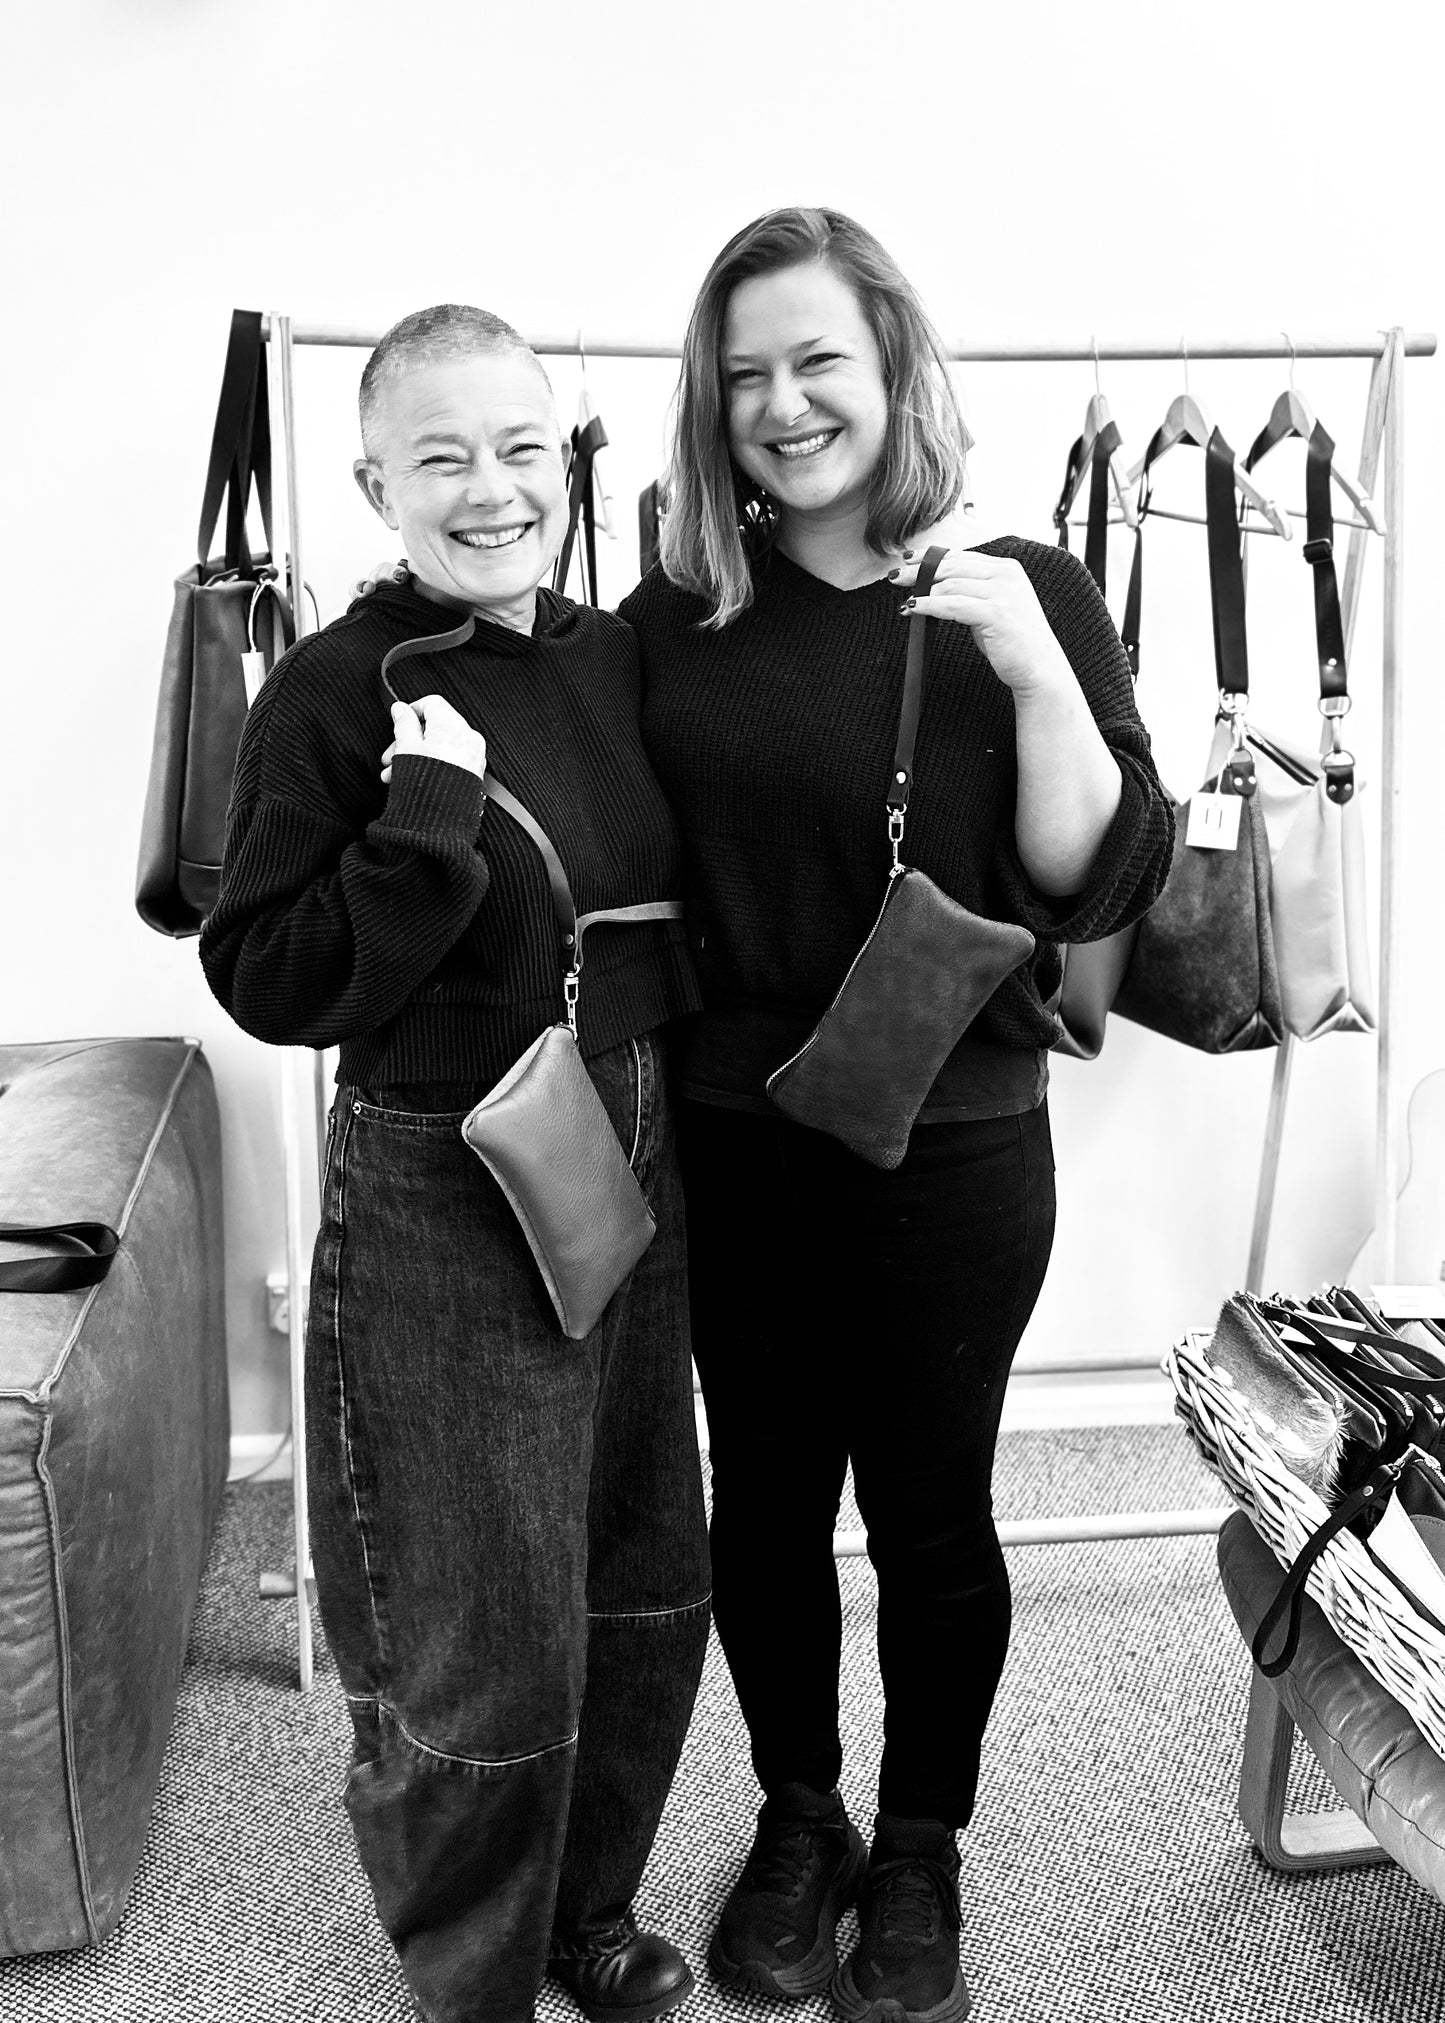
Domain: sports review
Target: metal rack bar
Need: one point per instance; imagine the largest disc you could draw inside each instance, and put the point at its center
(1418, 344)
(1387, 348)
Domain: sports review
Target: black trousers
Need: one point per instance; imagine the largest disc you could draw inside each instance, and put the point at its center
(843, 1312)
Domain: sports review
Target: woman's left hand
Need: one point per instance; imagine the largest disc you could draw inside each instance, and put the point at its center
(994, 597)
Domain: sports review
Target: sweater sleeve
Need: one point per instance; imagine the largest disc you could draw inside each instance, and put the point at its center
(1132, 862)
(324, 925)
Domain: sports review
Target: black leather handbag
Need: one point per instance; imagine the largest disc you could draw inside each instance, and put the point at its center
(229, 613)
(927, 969)
(1203, 969)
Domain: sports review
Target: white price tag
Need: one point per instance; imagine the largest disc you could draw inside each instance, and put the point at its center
(1213, 821)
(253, 673)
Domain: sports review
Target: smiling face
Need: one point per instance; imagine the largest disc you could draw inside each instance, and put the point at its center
(467, 465)
(807, 407)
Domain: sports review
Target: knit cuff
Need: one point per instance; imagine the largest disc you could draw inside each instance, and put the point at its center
(433, 794)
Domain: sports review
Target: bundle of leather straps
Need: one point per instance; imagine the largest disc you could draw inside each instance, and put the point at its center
(1355, 1408)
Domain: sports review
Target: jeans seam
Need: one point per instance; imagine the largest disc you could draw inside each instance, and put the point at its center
(648, 1615)
(388, 1716)
(637, 1131)
(341, 1382)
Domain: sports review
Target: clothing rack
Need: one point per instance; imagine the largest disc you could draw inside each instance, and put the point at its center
(1383, 444)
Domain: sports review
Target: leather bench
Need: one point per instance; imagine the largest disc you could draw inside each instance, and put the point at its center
(114, 1444)
(1378, 1761)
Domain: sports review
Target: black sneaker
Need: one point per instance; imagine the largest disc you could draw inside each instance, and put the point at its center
(776, 1932)
(905, 1967)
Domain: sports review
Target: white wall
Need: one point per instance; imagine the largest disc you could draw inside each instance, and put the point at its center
(1047, 170)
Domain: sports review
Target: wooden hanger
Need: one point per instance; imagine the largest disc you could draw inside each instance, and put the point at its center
(1292, 415)
(1188, 421)
(1096, 418)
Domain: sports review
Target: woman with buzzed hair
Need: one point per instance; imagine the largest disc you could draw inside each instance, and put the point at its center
(507, 1525)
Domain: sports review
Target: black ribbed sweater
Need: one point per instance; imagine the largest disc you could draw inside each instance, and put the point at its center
(774, 740)
(406, 924)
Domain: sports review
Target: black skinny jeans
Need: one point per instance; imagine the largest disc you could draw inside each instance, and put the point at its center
(843, 1312)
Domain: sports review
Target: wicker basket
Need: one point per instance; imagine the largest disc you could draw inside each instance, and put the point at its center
(1367, 1612)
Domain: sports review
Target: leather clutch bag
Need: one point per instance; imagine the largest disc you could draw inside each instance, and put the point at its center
(545, 1137)
(926, 970)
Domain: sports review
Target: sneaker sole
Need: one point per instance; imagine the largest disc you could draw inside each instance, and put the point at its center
(858, 2009)
(817, 1969)
(636, 2012)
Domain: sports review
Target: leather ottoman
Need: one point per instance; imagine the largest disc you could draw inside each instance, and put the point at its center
(1366, 1743)
(114, 1443)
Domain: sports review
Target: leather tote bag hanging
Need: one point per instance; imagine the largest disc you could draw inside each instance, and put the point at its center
(229, 616)
(543, 1132)
(926, 970)
(1093, 970)
(1204, 970)
(1317, 845)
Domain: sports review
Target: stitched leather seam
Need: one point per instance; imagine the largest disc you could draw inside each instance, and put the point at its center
(193, 1047)
(67, 1725)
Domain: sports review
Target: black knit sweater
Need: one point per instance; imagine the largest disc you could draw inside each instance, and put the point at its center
(402, 922)
(774, 738)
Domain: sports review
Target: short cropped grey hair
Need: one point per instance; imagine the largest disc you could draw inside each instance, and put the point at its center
(447, 330)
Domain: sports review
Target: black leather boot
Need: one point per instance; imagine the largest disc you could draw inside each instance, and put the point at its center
(621, 1975)
(905, 1966)
(776, 1932)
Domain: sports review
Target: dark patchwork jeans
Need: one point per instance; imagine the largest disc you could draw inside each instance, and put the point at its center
(509, 1541)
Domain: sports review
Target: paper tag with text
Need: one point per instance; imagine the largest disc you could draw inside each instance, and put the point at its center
(253, 673)
(1213, 821)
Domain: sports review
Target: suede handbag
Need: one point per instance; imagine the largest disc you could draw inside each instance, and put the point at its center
(924, 973)
(543, 1132)
(1204, 970)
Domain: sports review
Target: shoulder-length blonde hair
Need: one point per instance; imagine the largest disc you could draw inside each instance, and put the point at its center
(718, 519)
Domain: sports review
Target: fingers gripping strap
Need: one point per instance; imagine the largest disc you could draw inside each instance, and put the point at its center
(901, 783)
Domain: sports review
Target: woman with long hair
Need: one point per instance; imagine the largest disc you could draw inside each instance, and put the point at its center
(842, 1312)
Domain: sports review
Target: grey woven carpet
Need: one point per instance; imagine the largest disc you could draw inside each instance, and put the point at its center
(1105, 1876)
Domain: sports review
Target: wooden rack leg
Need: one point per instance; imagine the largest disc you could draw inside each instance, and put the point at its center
(1269, 1165)
(1392, 753)
(1291, 1840)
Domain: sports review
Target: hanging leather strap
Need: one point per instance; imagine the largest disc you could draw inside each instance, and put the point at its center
(87, 1251)
(901, 784)
(571, 925)
(1226, 568)
(1289, 1602)
(586, 442)
(240, 447)
(1096, 531)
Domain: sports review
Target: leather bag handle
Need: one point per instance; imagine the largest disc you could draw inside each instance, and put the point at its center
(88, 1250)
(240, 446)
(1226, 568)
(586, 442)
(1096, 530)
(901, 784)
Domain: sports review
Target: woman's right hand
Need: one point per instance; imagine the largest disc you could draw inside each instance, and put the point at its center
(430, 728)
(382, 572)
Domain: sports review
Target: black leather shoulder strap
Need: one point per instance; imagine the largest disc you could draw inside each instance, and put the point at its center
(901, 783)
(240, 446)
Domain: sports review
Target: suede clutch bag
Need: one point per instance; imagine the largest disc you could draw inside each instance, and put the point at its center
(926, 970)
(547, 1141)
